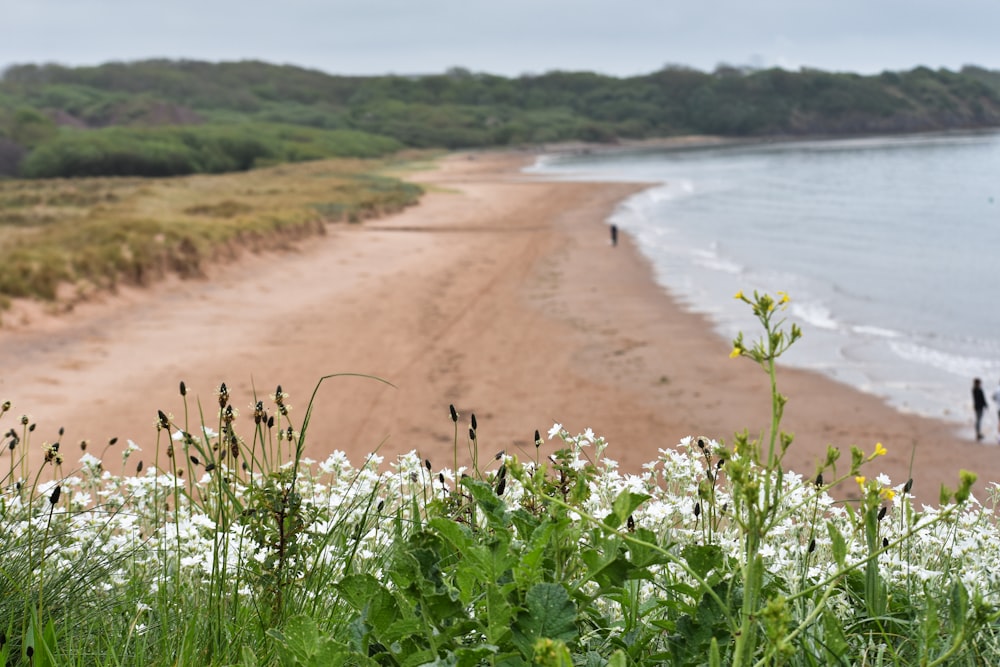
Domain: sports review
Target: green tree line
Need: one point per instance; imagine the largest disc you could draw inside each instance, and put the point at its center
(161, 117)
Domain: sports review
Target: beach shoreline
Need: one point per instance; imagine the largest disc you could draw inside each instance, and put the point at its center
(499, 293)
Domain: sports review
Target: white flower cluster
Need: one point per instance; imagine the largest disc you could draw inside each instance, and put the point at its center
(158, 525)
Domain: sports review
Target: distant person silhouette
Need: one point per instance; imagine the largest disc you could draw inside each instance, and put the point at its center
(614, 235)
(979, 405)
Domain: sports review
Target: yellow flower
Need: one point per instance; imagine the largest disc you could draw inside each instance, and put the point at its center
(860, 479)
(879, 451)
(739, 295)
(783, 298)
(737, 351)
(887, 494)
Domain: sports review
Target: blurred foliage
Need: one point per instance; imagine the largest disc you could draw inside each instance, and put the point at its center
(160, 117)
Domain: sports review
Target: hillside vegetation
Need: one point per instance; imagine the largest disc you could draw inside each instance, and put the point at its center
(160, 117)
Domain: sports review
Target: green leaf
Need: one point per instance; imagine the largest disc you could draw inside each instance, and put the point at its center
(300, 643)
(401, 629)
(608, 567)
(550, 614)
(248, 658)
(838, 543)
(702, 558)
(473, 657)
(458, 535)
(618, 659)
(623, 506)
(931, 626)
(644, 553)
(368, 596)
(488, 501)
(42, 642)
(958, 607)
(834, 640)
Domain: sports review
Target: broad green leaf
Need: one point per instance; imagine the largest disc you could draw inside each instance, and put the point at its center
(618, 659)
(609, 568)
(458, 535)
(368, 596)
(300, 636)
(702, 558)
(473, 657)
(549, 613)
(301, 644)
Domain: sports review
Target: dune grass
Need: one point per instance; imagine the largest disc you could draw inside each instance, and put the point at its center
(62, 238)
(227, 546)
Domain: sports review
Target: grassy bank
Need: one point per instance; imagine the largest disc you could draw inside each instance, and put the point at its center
(713, 554)
(66, 237)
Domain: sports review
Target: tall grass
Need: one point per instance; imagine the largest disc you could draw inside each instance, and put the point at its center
(69, 237)
(229, 546)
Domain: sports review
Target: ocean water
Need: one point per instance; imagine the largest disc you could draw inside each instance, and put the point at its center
(888, 247)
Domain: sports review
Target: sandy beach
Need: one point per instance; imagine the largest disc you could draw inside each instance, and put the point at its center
(500, 293)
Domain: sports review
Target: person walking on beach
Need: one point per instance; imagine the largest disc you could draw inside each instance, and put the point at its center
(614, 234)
(979, 405)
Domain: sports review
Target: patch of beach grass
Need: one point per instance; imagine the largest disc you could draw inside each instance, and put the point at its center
(100, 232)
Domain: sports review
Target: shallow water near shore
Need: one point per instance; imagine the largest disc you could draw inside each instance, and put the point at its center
(886, 245)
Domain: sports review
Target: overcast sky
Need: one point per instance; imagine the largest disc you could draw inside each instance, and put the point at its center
(509, 37)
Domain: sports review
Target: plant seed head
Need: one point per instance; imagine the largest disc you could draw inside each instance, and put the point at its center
(223, 395)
